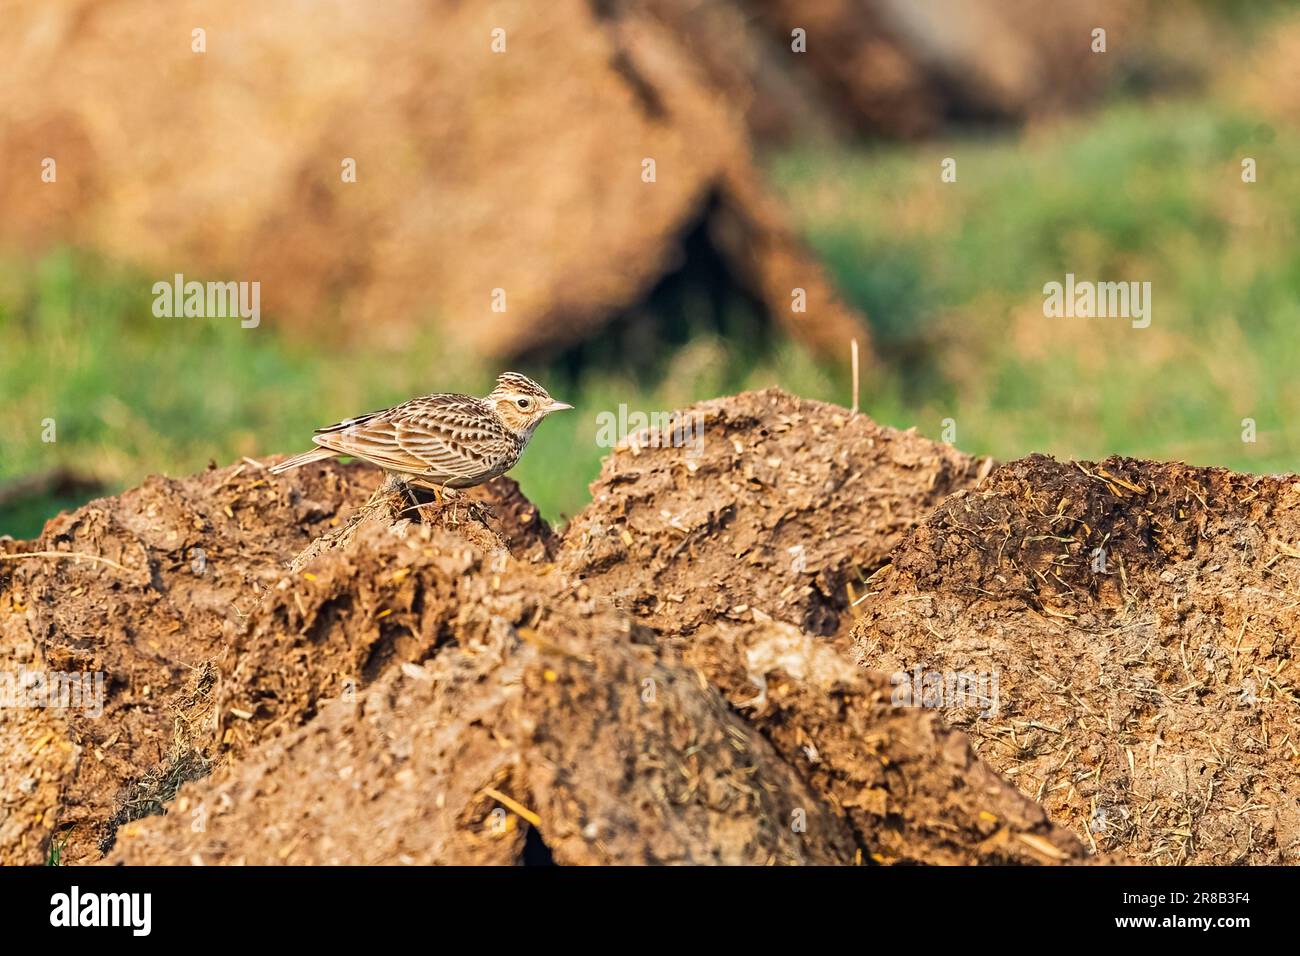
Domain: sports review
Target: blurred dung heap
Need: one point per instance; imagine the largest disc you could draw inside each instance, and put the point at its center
(903, 68)
(475, 170)
(479, 170)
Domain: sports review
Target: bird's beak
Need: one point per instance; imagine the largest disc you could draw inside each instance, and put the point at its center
(558, 406)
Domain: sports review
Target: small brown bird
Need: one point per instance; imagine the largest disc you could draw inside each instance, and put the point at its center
(443, 440)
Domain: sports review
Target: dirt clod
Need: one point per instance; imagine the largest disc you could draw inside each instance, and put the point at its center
(767, 502)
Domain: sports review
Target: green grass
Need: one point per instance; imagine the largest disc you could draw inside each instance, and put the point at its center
(54, 857)
(131, 394)
(951, 276)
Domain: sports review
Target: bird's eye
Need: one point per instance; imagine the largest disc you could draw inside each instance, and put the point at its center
(524, 403)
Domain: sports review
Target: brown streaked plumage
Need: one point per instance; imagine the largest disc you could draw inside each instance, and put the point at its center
(442, 440)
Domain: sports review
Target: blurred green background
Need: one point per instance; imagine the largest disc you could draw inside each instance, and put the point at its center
(1139, 187)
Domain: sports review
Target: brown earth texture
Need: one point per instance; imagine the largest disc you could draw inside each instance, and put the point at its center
(672, 678)
(1141, 621)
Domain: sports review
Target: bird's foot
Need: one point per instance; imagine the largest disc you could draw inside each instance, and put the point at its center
(427, 512)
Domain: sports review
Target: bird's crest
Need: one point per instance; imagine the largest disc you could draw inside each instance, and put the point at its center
(512, 383)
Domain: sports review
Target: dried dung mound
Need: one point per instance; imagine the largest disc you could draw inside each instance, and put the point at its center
(475, 169)
(417, 695)
(162, 609)
(540, 707)
(1140, 619)
(542, 731)
(413, 676)
(760, 501)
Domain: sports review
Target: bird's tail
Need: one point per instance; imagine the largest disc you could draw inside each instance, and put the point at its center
(306, 458)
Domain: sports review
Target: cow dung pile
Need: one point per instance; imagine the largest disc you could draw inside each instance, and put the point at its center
(671, 678)
(499, 698)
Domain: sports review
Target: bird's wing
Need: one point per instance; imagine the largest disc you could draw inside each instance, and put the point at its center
(444, 436)
(350, 422)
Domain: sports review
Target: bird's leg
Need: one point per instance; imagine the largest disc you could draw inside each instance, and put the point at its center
(440, 497)
(415, 503)
(407, 498)
(451, 495)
